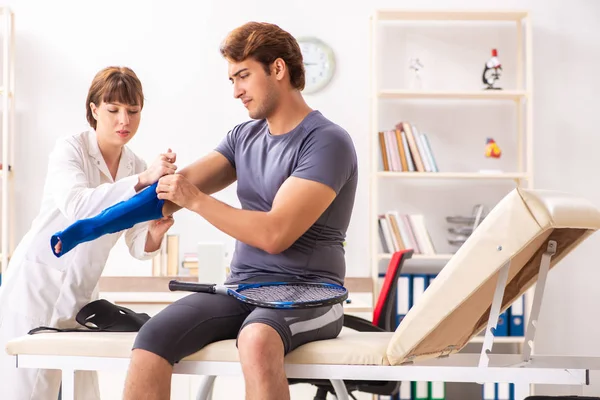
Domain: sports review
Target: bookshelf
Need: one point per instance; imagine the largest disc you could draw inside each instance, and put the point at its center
(447, 42)
(463, 96)
(7, 128)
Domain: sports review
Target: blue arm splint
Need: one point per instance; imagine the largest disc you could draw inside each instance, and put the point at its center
(144, 206)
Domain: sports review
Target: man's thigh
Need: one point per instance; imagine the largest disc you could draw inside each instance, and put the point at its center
(189, 324)
(299, 326)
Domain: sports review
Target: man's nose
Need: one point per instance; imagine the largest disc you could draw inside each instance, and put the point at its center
(237, 91)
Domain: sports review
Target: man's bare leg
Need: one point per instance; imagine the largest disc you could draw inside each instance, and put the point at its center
(261, 354)
(148, 378)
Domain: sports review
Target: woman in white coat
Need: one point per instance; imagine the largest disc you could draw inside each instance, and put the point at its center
(87, 173)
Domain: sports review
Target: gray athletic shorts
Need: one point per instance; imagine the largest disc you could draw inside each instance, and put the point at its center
(189, 324)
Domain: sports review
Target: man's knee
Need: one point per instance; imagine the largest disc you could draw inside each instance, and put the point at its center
(148, 360)
(152, 340)
(257, 341)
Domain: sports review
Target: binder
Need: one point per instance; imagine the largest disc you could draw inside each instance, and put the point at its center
(420, 390)
(503, 391)
(430, 279)
(403, 297)
(437, 390)
(489, 391)
(405, 391)
(502, 325)
(517, 317)
(418, 287)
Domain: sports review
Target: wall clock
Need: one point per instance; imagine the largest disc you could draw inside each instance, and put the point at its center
(319, 63)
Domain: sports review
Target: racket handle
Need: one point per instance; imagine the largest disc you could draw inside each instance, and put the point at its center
(191, 287)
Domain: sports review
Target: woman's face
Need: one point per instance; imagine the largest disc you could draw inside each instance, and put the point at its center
(116, 123)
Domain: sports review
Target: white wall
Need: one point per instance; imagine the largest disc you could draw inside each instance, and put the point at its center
(189, 105)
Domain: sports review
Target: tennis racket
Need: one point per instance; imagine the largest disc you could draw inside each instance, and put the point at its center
(273, 294)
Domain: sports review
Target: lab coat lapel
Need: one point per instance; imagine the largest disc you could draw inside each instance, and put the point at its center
(125, 164)
(96, 155)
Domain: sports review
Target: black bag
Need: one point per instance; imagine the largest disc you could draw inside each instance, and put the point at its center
(103, 316)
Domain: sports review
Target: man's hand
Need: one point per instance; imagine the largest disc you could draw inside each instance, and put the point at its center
(156, 231)
(58, 247)
(178, 190)
(163, 165)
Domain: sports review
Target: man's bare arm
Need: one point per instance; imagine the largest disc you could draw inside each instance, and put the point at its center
(210, 174)
(296, 207)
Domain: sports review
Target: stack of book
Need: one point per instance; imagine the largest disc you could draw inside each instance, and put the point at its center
(190, 263)
(405, 149)
(402, 231)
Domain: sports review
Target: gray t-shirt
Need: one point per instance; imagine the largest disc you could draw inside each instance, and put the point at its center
(316, 149)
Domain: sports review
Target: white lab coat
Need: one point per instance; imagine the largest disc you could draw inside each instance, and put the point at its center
(40, 289)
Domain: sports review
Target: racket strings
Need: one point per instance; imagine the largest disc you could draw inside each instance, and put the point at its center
(292, 293)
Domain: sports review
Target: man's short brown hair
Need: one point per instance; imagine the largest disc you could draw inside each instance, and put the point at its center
(114, 84)
(265, 43)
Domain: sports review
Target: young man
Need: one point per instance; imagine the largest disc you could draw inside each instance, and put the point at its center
(296, 174)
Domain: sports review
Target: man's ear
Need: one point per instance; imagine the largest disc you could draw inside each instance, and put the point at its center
(94, 110)
(279, 68)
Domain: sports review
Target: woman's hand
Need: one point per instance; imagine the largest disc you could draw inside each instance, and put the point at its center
(177, 189)
(163, 165)
(156, 231)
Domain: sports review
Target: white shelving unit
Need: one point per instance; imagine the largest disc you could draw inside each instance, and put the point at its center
(520, 95)
(7, 126)
(517, 94)
(387, 57)
(384, 185)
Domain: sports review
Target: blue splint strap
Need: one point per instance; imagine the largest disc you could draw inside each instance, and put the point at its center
(144, 206)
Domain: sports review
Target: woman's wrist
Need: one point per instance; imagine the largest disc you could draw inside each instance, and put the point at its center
(152, 244)
(141, 182)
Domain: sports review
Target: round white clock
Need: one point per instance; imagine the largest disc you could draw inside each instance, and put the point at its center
(319, 63)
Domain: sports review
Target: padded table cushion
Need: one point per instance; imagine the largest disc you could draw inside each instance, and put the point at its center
(351, 348)
(456, 305)
(453, 309)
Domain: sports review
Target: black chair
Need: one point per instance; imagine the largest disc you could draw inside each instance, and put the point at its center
(384, 320)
